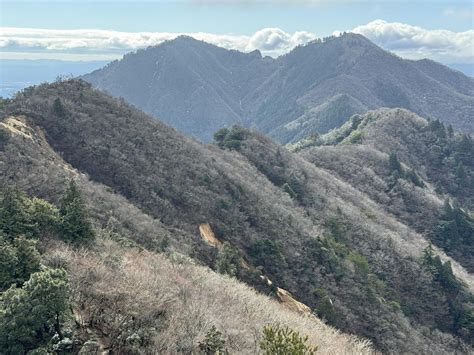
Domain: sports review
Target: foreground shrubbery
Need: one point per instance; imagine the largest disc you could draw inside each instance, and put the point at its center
(34, 300)
(141, 300)
(33, 316)
(285, 341)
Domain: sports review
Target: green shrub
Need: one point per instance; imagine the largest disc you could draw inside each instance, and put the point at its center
(31, 315)
(213, 343)
(231, 138)
(324, 308)
(360, 262)
(228, 260)
(268, 253)
(355, 137)
(284, 341)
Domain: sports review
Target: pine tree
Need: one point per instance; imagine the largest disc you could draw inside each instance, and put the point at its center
(8, 261)
(75, 224)
(228, 260)
(28, 259)
(58, 108)
(14, 217)
(213, 343)
(394, 164)
(18, 260)
(31, 315)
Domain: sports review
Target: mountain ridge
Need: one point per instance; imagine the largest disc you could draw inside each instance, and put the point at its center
(294, 222)
(202, 88)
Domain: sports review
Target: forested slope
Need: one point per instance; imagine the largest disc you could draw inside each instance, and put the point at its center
(279, 217)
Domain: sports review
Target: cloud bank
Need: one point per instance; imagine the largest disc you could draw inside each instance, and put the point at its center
(271, 41)
(405, 40)
(415, 42)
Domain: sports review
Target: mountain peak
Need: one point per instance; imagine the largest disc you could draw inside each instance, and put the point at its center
(314, 88)
(355, 40)
(184, 39)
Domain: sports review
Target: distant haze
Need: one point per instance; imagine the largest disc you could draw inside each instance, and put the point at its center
(15, 75)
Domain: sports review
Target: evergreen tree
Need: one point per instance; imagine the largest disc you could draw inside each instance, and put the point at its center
(18, 260)
(58, 108)
(228, 260)
(14, 217)
(44, 216)
(8, 261)
(213, 343)
(31, 315)
(28, 259)
(393, 163)
(455, 229)
(75, 224)
(450, 131)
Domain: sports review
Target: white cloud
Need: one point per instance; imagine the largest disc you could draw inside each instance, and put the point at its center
(271, 41)
(274, 41)
(405, 40)
(415, 42)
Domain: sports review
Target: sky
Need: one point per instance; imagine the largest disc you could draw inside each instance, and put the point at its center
(88, 30)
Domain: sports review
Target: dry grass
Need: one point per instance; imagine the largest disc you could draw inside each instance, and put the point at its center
(175, 302)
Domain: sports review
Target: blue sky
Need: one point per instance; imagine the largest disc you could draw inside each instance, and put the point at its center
(239, 18)
(242, 17)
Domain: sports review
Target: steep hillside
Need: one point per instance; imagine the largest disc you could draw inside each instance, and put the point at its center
(365, 152)
(277, 221)
(197, 87)
(125, 297)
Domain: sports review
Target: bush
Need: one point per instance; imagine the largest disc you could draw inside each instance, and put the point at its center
(231, 138)
(213, 343)
(228, 260)
(268, 253)
(31, 315)
(324, 308)
(285, 341)
(20, 215)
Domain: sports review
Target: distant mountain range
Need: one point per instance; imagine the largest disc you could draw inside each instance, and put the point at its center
(198, 88)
